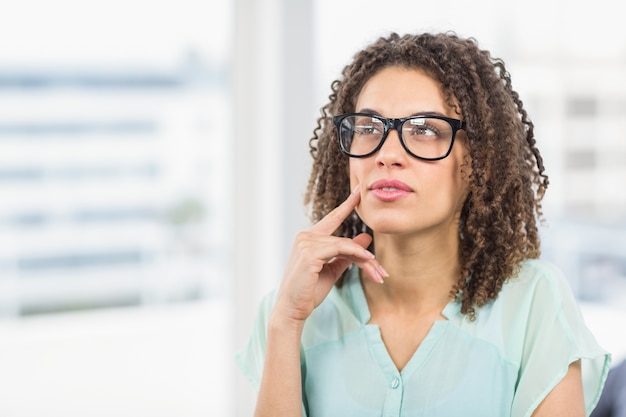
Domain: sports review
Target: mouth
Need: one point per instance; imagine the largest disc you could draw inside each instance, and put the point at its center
(390, 185)
(390, 190)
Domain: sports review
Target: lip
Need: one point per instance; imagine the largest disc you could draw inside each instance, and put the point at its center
(390, 190)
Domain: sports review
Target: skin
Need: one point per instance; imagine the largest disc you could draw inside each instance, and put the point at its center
(416, 251)
(417, 235)
(316, 262)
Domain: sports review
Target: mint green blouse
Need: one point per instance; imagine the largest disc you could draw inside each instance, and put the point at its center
(502, 364)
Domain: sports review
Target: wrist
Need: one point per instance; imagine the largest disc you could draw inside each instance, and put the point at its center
(284, 321)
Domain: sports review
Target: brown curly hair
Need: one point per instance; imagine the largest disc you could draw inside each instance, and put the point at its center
(498, 224)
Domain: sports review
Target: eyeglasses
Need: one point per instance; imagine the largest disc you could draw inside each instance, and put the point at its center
(428, 138)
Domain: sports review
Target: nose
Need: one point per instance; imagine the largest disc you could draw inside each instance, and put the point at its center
(392, 152)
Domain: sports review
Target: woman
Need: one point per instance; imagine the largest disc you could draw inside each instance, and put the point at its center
(419, 292)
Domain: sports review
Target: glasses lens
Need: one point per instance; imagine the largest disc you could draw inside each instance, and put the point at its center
(427, 137)
(359, 135)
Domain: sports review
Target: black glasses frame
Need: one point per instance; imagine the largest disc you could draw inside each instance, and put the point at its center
(396, 124)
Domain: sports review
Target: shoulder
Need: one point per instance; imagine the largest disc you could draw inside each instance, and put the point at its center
(538, 281)
(540, 315)
(538, 293)
(538, 272)
(544, 332)
(538, 286)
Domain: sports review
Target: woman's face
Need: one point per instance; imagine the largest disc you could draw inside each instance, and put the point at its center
(401, 194)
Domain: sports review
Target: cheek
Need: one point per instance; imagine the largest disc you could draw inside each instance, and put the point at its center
(354, 173)
(461, 179)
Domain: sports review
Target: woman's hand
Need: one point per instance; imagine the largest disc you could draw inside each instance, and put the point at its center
(317, 261)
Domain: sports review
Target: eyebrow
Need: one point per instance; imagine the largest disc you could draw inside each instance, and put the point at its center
(423, 113)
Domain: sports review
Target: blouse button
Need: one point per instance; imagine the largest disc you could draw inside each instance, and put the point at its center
(395, 383)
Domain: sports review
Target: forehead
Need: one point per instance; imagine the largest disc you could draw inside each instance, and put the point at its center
(399, 92)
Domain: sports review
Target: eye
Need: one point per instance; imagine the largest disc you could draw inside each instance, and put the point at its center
(365, 130)
(426, 129)
(368, 126)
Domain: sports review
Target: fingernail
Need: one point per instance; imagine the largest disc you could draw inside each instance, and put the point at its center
(376, 277)
(382, 271)
(355, 190)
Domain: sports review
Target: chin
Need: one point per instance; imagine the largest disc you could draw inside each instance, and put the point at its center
(387, 226)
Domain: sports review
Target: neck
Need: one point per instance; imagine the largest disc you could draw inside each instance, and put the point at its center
(422, 272)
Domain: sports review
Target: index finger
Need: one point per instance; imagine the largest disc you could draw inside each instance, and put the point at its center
(333, 220)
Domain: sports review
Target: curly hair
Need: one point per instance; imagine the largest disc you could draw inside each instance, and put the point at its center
(498, 223)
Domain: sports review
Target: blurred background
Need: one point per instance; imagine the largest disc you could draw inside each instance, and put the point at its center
(144, 212)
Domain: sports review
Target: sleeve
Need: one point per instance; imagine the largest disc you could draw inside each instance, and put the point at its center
(613, 399)
(556, 336)
(251, 357)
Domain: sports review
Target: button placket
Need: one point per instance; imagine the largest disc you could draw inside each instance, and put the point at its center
(393, 403)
